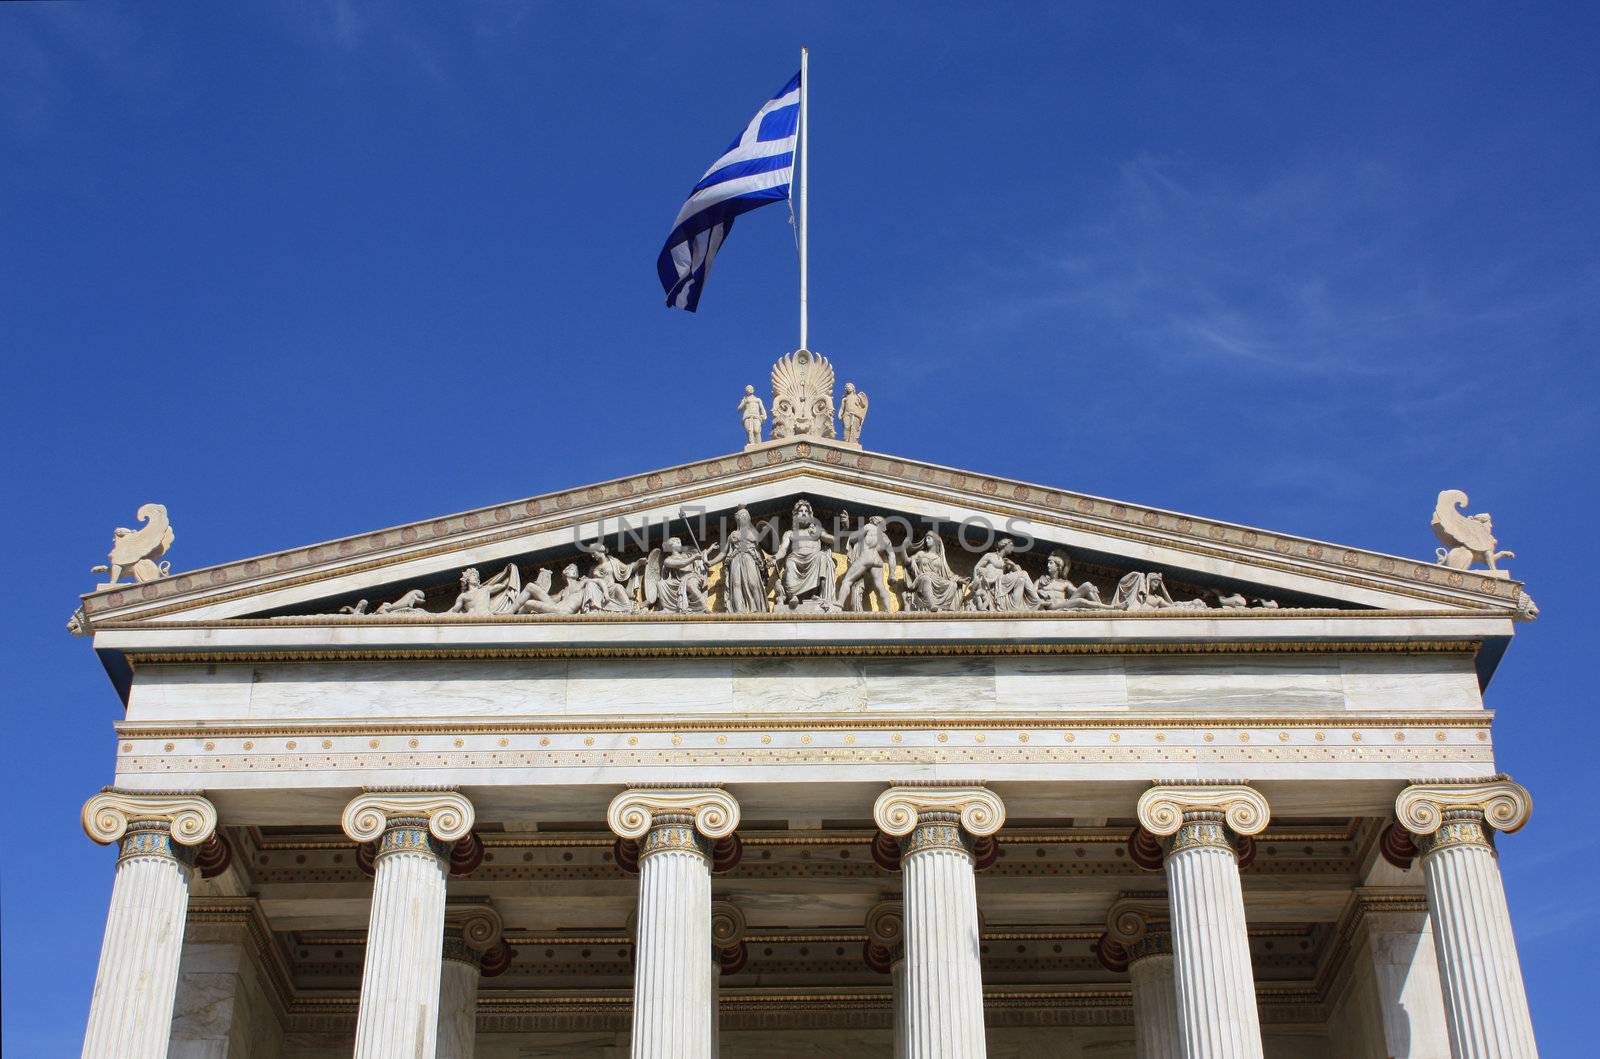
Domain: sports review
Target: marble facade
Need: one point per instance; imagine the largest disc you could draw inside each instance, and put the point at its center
(1214, 831)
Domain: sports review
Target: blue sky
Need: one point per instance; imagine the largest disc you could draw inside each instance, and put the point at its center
(299, 270)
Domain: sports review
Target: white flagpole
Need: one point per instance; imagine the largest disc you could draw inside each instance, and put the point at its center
(805, 151)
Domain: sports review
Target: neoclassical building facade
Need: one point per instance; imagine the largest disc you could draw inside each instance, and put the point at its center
(808, 750)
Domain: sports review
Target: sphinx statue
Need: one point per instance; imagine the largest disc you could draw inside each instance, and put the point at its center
(1467, 539)
(135, 551)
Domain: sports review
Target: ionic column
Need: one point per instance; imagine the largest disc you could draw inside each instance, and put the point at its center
(1215, 985)
(400, 979)
(1485, 1004)
(886, 953)
(728, 956)
(131, 1014)
(1138, 939)
(469, 932)
(943, 978)
(672, 956)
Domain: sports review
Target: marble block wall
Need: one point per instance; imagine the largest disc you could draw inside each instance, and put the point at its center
(221, 1011)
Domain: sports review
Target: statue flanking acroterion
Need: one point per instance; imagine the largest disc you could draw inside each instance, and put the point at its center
(814, 570)
(802, 403)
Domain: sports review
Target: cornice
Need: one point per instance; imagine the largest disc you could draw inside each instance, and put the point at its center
(586, 504)
(874, 650)
(1476, 720)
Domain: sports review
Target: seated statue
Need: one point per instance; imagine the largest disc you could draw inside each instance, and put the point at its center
(805, 564)
(930, 583)
(617, 579)
(675, 579)
(999, 584)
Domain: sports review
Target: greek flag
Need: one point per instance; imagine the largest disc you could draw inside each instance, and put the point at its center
(755, 170)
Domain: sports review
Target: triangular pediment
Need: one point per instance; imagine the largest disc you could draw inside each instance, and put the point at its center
(1204, 564)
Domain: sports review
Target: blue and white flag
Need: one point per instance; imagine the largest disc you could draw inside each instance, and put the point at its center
(755, 170)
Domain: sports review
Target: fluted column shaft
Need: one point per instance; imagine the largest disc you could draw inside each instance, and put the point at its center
(458, 998)
(1157, 1034)
(897, 976)
(130, 1016)
(400, 979)
(1486, 1006)
(1215, 994)
(672, 977)
(943, 979)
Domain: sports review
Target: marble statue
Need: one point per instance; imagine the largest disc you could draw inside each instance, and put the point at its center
(805, 564)
(617, 579)
(853, 412)
(930, 584)
(135, 551)
(999, 584)
(675, 579)
(1141, 590)
(871, 556)
(1466, 538)
(744, 567)
(1057, 592)
(410, 603)
(802, 396)
(754, 413)
(480, 598)
(578, 595)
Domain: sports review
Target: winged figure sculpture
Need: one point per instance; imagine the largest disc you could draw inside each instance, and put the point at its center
(135, 551)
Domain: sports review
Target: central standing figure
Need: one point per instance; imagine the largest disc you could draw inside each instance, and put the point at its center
(805, 564)
(871, 555)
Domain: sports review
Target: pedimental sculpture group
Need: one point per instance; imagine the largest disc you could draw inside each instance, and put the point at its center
(808, 750)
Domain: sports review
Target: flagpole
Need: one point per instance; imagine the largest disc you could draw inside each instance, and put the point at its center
(805, 152)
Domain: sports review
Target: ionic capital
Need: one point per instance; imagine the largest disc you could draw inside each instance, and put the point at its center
(190, 819)
(449, 815)
(479, 926)
(1505, 805)
(980, 809)
(715, 812)
(1161, 808)
(1132, 916)
(727, 924)
(886, 924)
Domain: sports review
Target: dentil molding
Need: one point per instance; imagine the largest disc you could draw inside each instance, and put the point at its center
(450, 816)
(1161, 808)
(896, 810)
(192, 818)
(1505, 805)
(715, 812)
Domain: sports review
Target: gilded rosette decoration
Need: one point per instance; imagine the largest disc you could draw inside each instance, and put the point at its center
(1244, 810)
(449, 815)
(715, 812)
(190, 818)
(1505, 805)
(980, 810)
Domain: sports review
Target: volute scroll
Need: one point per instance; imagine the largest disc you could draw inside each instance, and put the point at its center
(106, 816)
(981, 810)
(715, 811)
(450, 815)
(1161, 808)
(1505, 805)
